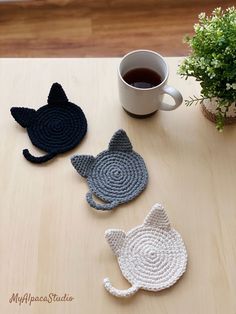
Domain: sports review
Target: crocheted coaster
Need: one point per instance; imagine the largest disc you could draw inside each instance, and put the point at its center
(55, 128)
(151, 256)
(116, 175)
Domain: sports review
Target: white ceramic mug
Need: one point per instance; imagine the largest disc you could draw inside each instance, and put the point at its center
(144, 102)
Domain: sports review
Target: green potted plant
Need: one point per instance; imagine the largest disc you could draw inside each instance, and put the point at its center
(213, 63)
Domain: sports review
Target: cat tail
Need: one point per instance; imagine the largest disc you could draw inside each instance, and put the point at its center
(119, 293)
(38, 160)
(106, 206)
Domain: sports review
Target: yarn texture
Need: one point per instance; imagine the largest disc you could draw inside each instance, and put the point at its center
(115, 176)
(151, 256)
(55, 128)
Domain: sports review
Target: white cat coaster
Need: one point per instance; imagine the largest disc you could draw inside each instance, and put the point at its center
(151, 256)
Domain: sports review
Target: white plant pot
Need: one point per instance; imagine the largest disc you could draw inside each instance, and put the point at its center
(209, 111)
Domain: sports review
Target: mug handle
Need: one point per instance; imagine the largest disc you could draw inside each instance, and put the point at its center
(175, 94)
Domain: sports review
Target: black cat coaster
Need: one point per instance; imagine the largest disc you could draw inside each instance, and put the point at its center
(55, 128)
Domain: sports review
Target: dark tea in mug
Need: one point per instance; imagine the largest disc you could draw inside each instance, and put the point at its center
(142, 78)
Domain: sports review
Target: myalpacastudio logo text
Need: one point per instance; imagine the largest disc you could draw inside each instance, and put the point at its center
(28, 298)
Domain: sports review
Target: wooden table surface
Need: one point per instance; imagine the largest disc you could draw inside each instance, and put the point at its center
(51, 241)
(107, 28)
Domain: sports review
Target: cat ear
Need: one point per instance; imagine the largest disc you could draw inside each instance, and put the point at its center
(120, 142)
(157, 218)
(115, 238)
(57, 95)
(82, 164)
(24, 116)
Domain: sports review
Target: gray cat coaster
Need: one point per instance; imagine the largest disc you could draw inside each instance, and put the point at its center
(151, 256)
(115, 176)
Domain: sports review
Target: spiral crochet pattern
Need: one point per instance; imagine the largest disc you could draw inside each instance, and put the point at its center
(151, 256)
(55, 128)
(116, 175)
